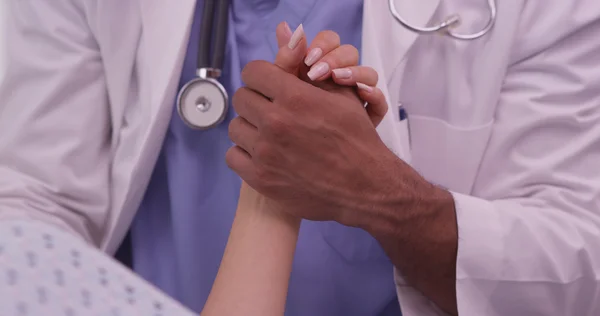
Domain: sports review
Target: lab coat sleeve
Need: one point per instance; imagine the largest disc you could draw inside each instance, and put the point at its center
(529, 232)
(54, 119)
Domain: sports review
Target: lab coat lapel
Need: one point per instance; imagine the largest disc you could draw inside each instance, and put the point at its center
(165, 34)
(385, 41)
(166, 26)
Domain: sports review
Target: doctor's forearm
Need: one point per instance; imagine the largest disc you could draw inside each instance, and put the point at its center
(254, 273)
(421, 238)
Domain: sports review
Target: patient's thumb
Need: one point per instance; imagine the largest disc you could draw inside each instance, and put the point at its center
(292, 48)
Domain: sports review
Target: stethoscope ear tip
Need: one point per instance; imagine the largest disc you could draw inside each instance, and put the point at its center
(449, 23)
(452, 21)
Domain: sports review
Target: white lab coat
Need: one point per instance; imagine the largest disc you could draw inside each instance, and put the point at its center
(509, 123)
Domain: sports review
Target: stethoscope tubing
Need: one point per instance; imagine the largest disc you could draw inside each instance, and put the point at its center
(445, 26)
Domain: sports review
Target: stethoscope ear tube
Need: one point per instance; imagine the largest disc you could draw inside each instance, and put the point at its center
(205, 40)
(445, 27)
(208, 29)
(221, 34)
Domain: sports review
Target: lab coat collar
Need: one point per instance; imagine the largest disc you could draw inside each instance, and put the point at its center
(385, 39)
(163, 44)
(166, 28)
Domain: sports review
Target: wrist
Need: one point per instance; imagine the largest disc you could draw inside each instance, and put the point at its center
(415, 224)
(256, 206)
(406, 203)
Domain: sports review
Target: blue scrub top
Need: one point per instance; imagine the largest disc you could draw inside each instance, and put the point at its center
(183, 224)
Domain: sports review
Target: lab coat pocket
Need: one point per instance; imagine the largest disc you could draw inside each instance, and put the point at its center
(354, 245)
(403, 141)
(448, 155)
(393, 131)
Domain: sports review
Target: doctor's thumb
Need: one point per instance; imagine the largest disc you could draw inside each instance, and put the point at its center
(292, 48)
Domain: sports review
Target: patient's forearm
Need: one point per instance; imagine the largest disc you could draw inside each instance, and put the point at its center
(255, 270)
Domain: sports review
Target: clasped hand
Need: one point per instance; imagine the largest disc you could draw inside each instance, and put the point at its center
(303, 137)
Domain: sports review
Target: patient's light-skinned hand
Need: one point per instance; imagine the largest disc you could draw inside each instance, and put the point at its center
(250, 201)
(254, 273)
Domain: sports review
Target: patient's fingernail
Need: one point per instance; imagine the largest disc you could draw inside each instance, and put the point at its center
(288, 30)
(312, 57)
(296, 37)
(318, 70)
(364, 87)
(342, 73)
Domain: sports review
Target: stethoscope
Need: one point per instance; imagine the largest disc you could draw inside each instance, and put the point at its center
(202, 103)
(445, 27)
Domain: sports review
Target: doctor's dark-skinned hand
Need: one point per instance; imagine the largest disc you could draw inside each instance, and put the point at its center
(276, 109)
(313, 150)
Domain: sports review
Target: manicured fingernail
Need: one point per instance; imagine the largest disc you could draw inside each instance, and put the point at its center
(364, 87)
(342, 73)
(312, 57)
(288, 30)
(318, 70)
(296, 37)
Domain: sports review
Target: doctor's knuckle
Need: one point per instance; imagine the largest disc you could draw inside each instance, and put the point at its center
(263, 151)
(263, 175)
(230, 158)
(273, 76)
(294, 98)
(239, 98)
(275, 125)
(254, 70)
(233, 130)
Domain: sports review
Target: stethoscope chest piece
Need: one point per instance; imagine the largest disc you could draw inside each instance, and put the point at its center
(202, 103)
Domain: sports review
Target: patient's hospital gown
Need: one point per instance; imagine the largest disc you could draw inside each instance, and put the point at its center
(45, 271)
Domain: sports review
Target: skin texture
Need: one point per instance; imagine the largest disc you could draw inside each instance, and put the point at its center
(312, 149)
(254, 274)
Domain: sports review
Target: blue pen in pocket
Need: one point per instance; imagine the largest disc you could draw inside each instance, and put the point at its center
(402, 113)
(403, 118)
